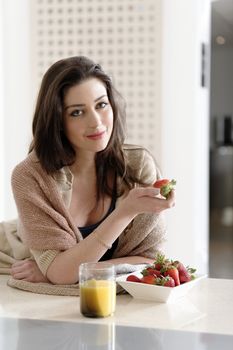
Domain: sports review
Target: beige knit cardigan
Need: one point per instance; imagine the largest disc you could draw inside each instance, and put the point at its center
(45, 226)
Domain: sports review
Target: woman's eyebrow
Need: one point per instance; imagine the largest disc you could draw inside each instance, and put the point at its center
(75, 105)
(99, 98)
(83, 104)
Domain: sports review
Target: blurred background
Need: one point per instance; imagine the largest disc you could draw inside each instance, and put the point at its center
(221, 140)
(173, 63)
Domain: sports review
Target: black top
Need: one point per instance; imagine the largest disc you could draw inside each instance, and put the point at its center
(86, 230)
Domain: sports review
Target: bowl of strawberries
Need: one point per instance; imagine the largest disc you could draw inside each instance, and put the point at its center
(163, 281)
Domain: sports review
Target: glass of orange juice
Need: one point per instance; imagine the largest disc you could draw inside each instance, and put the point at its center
(97, 289)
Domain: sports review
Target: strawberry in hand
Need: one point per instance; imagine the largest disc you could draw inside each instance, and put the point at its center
(165, 186)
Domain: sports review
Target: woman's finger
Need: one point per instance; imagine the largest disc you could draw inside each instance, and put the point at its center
(24, 266)
(145, 191)
(19, 275)
(18, 263)
(27, 270)
(16, 269)
(171, 198)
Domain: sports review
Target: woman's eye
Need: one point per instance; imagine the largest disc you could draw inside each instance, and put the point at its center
(102, 105)
(76, 113)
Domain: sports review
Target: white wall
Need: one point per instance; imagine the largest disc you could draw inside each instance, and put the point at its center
(185, 128)
(17, 102)
(2, 171)
(124, 36)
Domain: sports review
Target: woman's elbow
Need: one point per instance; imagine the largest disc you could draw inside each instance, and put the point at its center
(57, 275)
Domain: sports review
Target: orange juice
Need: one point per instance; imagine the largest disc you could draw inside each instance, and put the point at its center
(98, 298)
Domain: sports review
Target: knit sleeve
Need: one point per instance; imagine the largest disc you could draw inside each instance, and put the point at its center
(144, 236)
(44, 258)
(149, 171)
(146, 233)
(142, 163)
(44, 220)
(154, 242)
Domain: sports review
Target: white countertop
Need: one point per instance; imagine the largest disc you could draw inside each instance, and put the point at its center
(208, 307)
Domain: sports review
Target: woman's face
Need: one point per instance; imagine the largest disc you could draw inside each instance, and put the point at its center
(88, 116)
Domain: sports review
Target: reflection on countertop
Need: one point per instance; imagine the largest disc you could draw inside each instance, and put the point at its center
(51, 335)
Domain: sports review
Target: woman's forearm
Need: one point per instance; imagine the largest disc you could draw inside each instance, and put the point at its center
(131, 260)
(65, 267)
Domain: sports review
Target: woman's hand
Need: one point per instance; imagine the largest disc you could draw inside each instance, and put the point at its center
(27, 270)
(146, 200)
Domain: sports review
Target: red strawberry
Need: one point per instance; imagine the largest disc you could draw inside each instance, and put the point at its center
(133, 278)
(149, 279)
(160, 261)
(172, 272)
(160, 183)
(151, 271)
(185, 273)
(168, 281)
(165, 186)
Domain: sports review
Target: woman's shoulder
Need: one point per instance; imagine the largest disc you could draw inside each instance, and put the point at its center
(141, 160)
(135, 152)
(31, 161)
(28, 167)
(30, 170)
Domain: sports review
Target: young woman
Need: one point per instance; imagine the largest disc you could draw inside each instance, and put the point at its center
(82, 194)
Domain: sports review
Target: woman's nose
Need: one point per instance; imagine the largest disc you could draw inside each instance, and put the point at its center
(95, 119)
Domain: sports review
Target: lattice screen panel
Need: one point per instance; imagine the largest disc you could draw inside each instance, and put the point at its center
(123, 36)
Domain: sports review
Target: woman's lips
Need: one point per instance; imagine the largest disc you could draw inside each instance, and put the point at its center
(96, 136)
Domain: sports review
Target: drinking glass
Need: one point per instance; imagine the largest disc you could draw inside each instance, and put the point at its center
(97, 289)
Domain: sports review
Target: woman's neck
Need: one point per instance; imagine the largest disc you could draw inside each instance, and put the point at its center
(84, 165)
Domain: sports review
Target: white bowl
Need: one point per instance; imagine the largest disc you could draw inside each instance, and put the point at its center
(155, 293)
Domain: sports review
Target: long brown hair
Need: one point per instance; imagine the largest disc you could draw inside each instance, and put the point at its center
(49, 140)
